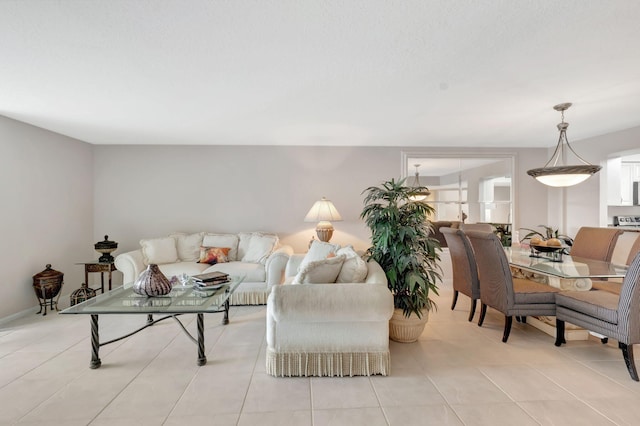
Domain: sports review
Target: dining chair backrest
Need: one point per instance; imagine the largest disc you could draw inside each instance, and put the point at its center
(595, 243)
(463, 262)
(496, 285)
(629, 303)
(483, 227)
(635, 249)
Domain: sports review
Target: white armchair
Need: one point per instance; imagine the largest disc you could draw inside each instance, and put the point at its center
(333, 329)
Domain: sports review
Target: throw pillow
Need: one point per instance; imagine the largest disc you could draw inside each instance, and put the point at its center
(223, 240)
(188, 245)
(354, 269)
(319, 250)
(320, 271)
(259, 248)
(159, 250)
(213, 255)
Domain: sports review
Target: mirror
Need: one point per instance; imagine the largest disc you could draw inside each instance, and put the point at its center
(466, 187)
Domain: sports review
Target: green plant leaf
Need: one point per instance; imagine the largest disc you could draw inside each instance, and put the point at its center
(402, 244)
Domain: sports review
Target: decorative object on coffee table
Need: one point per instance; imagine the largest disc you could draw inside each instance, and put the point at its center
(82, 294)
(47, 285)
(106, 247)
(152, 282)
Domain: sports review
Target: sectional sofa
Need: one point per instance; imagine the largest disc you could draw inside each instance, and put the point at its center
(257, 256)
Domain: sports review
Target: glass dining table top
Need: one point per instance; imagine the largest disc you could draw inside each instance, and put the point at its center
(570, 267)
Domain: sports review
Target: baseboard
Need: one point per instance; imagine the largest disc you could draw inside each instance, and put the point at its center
(17, 315)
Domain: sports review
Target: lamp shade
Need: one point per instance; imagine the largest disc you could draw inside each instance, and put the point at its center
(322, 211)
(563, 176)
(556, 172)
(419, 192)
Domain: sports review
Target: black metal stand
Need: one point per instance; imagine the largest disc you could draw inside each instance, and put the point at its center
(95, 344)
(42, 300)
(199, 341)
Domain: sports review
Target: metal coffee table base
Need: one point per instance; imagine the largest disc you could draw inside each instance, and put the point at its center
(202, 359)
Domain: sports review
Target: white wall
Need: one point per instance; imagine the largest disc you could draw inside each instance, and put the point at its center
(46, 188)
(60, 196)
(151, 191)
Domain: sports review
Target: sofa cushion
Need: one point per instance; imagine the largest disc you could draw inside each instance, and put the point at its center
(223, 240)
(323, 271)
(179, 268)
(213, 255)
(256, 247)
(252, 272)
(354, 269)
(159, 250)
(319, 250)
(188, 245)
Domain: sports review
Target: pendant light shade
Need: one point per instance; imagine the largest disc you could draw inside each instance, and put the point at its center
(556, 172)
(420, 192)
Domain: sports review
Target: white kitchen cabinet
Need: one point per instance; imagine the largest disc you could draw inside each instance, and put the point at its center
(614, 190)
(620, 178)
(626, 184)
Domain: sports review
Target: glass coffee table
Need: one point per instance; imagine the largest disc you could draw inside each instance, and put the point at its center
(181, 300)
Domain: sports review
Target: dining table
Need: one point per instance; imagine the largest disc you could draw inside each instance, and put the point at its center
(563, 271)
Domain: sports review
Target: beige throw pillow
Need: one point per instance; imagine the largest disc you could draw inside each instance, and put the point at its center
(354, 269)
(319, 250)
(188, 245)
(259, 248)
(159, 250)
(320, 271)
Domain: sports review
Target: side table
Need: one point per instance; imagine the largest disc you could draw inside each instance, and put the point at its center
(102, 268)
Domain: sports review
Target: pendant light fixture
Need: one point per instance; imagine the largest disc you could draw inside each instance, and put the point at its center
(420, 192)
(556, 172)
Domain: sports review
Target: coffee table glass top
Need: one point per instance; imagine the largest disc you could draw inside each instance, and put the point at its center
(181, 300)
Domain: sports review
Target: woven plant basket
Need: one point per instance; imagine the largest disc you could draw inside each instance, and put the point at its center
(406, 330)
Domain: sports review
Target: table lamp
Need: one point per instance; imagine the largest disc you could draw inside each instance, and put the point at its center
(323, 212)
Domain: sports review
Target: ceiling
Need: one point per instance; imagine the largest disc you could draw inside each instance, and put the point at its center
(319, 72)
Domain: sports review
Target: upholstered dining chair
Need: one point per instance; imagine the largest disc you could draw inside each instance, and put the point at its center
(606, 313)
(483, 227)
(463, 264)
(500, 291)
(614, 285)
(595, 243)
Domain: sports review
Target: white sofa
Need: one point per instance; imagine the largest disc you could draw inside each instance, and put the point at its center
(329, 329)
(258, 257)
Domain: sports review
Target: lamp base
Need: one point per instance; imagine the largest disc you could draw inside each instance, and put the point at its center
(324, 230)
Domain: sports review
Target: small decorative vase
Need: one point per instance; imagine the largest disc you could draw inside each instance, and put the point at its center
(407, 330)
(152, 282)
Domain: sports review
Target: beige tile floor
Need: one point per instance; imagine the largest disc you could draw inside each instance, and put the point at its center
(456, 374)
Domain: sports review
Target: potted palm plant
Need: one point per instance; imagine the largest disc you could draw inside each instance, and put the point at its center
(401, 244)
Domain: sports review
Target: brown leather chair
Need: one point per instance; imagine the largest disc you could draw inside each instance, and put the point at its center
(595, 243)
(499, 290)
(463, 264)
(606, 313)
